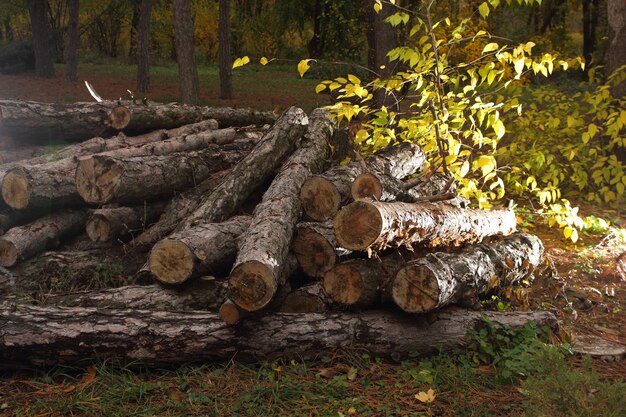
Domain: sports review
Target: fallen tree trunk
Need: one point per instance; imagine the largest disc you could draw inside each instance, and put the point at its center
(103, 179)
(310, 298)
(204, 293)
(11, 218)
(368, 224)
(258, 271)
(23, 242)
(251, 171)
(41, 122)
(316, 249)
(205, 248)
(323, 195)
(22, 152)
(440, 279)
(32, 335)
(179, 207)
(111, 223)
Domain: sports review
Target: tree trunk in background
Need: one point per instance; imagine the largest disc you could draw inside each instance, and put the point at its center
(590, 24)
(8, 30)
(616, 52)
(134, 29)
(41, 39)
(184, 29)
(226, 74)
(71, 49)
(381, 38)
(143, 52)
(315, 44)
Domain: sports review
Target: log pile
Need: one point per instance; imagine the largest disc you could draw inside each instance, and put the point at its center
(233, 234)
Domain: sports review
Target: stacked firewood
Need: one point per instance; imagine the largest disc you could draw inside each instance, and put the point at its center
(241, 213)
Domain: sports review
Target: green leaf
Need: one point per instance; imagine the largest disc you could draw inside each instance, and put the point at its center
(483, 9)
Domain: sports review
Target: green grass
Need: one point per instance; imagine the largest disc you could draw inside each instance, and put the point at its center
(349, 383)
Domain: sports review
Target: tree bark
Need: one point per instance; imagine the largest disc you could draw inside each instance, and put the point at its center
(204, 293)
(49, 186)
(206, 248)
(71, 46)
(616, 51)
(112, 223)
(143, 47)
(308, 299)
(185, 51)
(323, 195)
(11, 218)
(38, 10)
(22, 242)
(440, 279)
(103, 179)
(316, 248)
(179, 207)
(264, 247)
(373, 225)
(226, 60)
(381, 38)
(252, 171)
(34, 122)
(32, 335)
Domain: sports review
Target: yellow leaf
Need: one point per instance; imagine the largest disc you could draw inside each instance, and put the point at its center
(240, 62)
(378, 6)
(303, 66)
(464, 169)
(519, 66)
(483, 9)
(490, 47)
(319, 88)
(263, 61)
(426, 397)
(353, 79)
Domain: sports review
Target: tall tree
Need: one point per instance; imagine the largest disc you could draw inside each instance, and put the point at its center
(226, 73)
(184, 33)
(71, 48)
(590, 24)
(143, 51)
(38, 10)
(381, 38)
(616, 52)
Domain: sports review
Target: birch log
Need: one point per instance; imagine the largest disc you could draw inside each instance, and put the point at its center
(32, 335)
(368, 224)
(263, 249)
(439, 279)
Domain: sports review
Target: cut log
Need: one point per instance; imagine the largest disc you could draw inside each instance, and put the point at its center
(323, 195)
(103, 179)
(258, 271)
(231, 313)
(354, 283)
(206, 248)
(23, 242)
(204, 293)
(368, 224)
(111, 223)
(46, 186)
(308, 299)
(42, 122)
(440, 279)
(32, 335)
(381, 187)
(257, 167)
(178, 208)
(316, 249)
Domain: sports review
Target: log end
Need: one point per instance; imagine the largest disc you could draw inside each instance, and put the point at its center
(97, 179)
(16, 189)
(119, 117)
(366, 185)
(320, 198)
(344, 284)
(8, 253)
(171, 261)
(303, 303)
(230, 313)
(415, 289)
(251, 285)
(314, 253)
(98, 228)
(357, 225)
